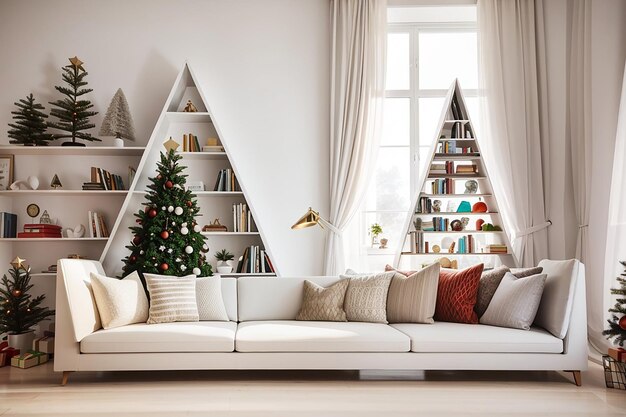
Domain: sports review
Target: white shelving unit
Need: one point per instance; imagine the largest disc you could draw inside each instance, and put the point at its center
(409, 257)
(201, 166)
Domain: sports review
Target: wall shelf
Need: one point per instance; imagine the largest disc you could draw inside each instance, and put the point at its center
(60, 193)
(73, 150)
(54, 239)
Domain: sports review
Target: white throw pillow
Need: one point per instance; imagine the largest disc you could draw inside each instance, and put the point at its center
(171, 298)
(209, 298)
(120, 301)
(555, 308)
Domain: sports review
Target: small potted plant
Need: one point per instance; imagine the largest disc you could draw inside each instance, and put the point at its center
(19, 312)
(223, 261)
(375, 231)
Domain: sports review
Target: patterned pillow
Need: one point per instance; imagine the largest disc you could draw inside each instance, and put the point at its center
(209, 299)
(366, 297)
(413, 299)
(456, 295)
(487, 287)
(120, 302)
(172, 298)
(323, 304)
(515, 302)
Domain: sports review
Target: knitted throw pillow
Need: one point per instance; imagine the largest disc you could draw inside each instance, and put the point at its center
(323, 304)
(456, 295)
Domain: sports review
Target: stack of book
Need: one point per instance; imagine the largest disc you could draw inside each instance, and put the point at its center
(466, 244)
(97, 226)
(461, 130)
(8, 225)
(440, 224)
(40, 230)
(450, 147)
(102, 179)
(191, 144)
(443, 186)
(466, 169)
(255, 261)
(424, 205)
(212, 145)
(242, 218)
(438, 169)
(497, 248)
(417, 242)
(226, 181)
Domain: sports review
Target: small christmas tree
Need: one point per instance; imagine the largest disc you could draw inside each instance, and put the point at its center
(117, 121)
(29, 127)
(617, 323)
(168, 239)
(73, 112)
(19, 312)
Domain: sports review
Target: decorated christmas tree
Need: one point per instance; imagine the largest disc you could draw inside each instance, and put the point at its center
(617, 323)
(19, 312)
(117, 121)
(72, 111)
(167, 239)
(30, 126)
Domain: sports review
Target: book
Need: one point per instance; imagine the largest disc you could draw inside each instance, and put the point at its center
(22, 235)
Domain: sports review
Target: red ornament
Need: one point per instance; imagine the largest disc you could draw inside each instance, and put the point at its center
(165, 234)
(622, 323)
(152, 213)
(169, 184)
(164, 266)
(479, 207)
(133, 258)
(479, 224)
(159, 176)
(189, 203)
(136, 240)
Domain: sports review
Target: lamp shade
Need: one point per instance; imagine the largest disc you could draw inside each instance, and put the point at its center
(310, 218)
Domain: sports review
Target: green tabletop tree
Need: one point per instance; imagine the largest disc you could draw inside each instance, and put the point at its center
(30, 126)
(617, 322)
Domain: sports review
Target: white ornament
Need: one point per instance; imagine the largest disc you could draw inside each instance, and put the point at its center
(169, 250)
(170, 209)
(183, 267)
(163, 208)
(184, 224)
(188, 249)
(141, 252)
(205, 246)
(155, 264)
(178, 260)
(184, 230)
(197, 228)
(161, 248)
(178, 211)
(173, 223)
(196, 271)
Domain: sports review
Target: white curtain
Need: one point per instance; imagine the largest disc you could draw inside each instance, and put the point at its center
(359, 36)
(616, 230)
(514, 112)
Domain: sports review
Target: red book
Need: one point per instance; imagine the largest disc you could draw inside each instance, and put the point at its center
(42, 226)
(22, 235)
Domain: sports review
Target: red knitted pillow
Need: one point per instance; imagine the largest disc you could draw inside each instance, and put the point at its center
(456, 295)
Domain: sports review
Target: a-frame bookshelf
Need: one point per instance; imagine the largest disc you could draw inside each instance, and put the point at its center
(202, 165)
(455, 158)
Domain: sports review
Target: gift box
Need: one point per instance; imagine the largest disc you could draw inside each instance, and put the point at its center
(6, 353)
(44, 344)
(618, 354)
(29, 359)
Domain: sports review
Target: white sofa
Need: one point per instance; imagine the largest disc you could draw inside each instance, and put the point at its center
(263, 334)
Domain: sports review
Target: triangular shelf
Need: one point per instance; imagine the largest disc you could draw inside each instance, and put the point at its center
(201, 166)
(455, 145)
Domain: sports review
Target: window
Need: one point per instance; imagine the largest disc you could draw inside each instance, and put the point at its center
(423, 59)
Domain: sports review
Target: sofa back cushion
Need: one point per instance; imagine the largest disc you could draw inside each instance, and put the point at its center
(75, 274)
(266, 298)
(555, 308)
(229, 295)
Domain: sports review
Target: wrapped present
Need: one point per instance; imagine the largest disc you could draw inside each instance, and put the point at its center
(29, 359)
(44, 344)
(618, 354)
(6, 353)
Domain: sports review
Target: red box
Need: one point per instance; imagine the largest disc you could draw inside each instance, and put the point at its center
(6, 353)
(618, 354)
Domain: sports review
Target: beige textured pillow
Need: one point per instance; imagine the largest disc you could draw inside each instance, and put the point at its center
(366, 297)
(323, 304)
(209, 299)
(120, 302)
(515, 302)
(413, 299)
(172, 298)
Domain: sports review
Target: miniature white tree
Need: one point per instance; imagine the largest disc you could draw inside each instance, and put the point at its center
(117, 121)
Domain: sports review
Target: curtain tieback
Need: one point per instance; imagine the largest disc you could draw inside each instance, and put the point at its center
(580, 226)
(534, 229)
(326, 224)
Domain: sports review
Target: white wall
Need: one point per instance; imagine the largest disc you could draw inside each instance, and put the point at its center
(263, 65)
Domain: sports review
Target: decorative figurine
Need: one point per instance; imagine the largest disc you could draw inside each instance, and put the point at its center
(56, 182)
(436, 248)
(464, 222)
(417, 222)
(383, 243)
(471, 187)
(190, 108)
(436, 206)
(45, 218)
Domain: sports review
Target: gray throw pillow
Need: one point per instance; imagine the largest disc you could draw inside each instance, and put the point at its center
(489, 281)
(526, 272)
(515, 302)
(366, 297)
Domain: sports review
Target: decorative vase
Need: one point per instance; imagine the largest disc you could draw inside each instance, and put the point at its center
(224, 267)
(375, 240)
(118, 142)
(73, 144)
(22, 341)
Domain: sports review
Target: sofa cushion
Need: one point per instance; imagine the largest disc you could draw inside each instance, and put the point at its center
(323, 304)
(209, 299)
(456, 295)
(319, 336)
(478, 338)
(120, 301)
(555, 308)
(412, 299)
(487, 286)
(204, 336)
(366, 297)
(172, 298)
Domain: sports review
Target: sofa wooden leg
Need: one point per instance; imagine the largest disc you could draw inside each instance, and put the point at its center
(578, 378)
(66, 375)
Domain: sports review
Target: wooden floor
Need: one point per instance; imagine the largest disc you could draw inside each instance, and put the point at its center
(36, 392)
